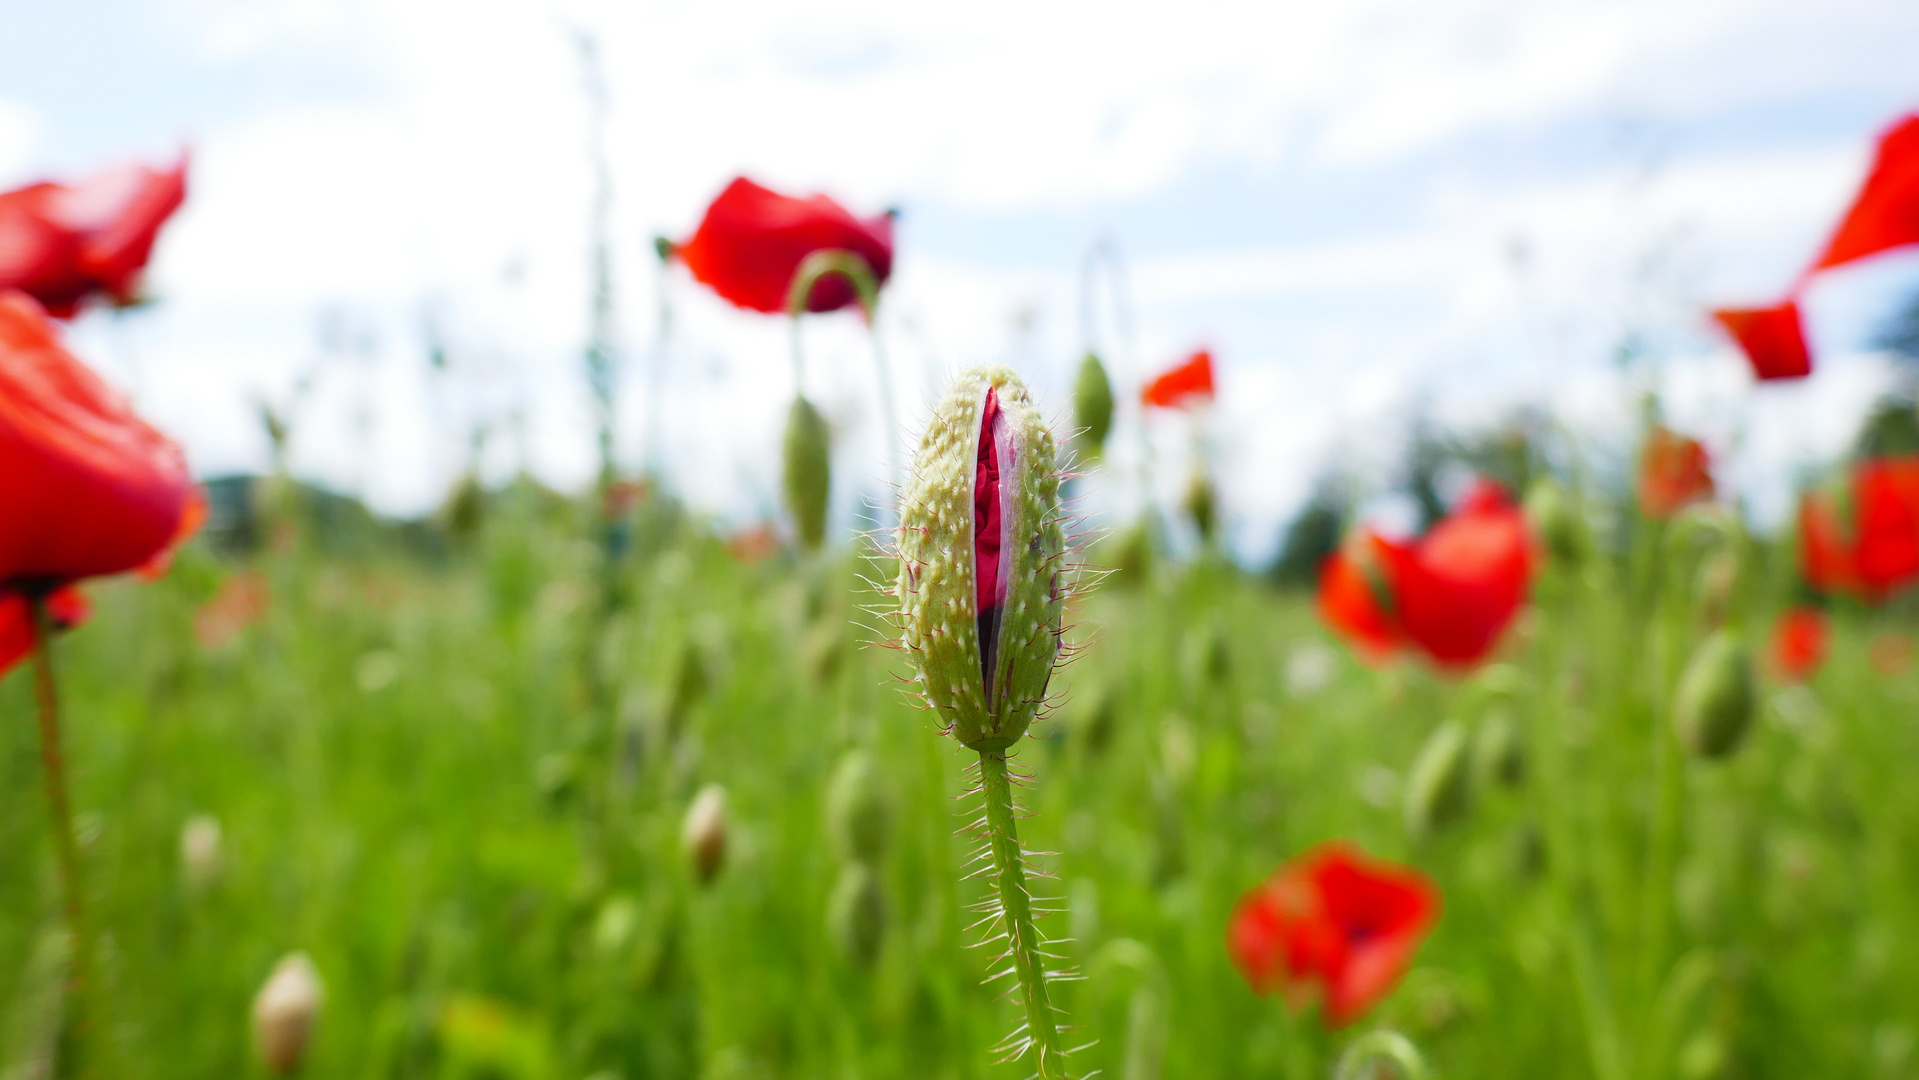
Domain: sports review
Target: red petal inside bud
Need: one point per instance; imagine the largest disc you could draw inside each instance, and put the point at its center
(989, 534)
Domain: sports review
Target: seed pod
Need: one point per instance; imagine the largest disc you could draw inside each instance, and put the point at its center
(200, 854)
(982, 582)
(703, 833)
(1439, 788)
(856, 813)
(285, 1013)
(1499, 757)
(808, 471)
(856, 915)
(1093, 405)
(1716, 699)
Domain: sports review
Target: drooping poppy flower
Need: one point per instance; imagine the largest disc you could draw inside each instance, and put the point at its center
(1884, 215)
(1799, 642)
(752, 240)
(1190, 382)
(1451, 593)
(1773, 339)
(62, 244)
(1336, 921)
(89, 488)
(1674, 472)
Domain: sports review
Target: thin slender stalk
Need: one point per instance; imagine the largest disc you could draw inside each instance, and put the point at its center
(66, 847)
(1022, 940)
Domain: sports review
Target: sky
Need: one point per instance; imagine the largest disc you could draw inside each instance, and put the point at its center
(1365, 208)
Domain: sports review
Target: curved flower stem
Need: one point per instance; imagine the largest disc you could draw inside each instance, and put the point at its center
(838, 262)
(1041, 1035)
(1382, 1046)
(60, 809)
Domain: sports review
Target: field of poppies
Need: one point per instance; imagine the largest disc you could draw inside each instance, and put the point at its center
(1585, 778)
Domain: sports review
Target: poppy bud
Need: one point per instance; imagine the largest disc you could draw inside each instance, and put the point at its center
(285, 1012)
(1718, 585)
(200, 855)
(1202, 505)
(1499, 757)
(1555, 519)
(856, 816)
(981, 582)
(856, 915)
(1439, 788)
(808, 471)
(703, 833)
(1716, 699)
(1093, 404)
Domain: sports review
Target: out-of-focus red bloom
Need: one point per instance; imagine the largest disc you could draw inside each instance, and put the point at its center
(1884, 215)
(241, 601)
(1799, 642)
(1451, 593)
(1336, 920)
(754, 544)
(62, 244)
(1773, 338)
(1190, 382)
(1674, 471)
(67, 608)
(752, 240)
(1825, 556)
(88, 488)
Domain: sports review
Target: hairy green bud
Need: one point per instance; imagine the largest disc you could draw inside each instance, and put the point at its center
(1093, 405)
(982, 580)
(1716, 699)
(1439, 789)
(856, 814)
(808, 471)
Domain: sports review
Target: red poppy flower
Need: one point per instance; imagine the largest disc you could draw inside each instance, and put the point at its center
(89, 488)
(1886, 501)
(1673, 473)
(1451, 593)
(241, 601)
(752, 240)
(62, 244)
(1825, 556)
(1773, 340)
(1191, 381)
(1799, 642)
(1336, 920)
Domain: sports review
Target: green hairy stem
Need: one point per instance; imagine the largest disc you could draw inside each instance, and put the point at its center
(1041, 1035)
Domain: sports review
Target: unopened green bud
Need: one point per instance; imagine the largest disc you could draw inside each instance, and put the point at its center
(1093, 405)
(856, 813)
(1439, 789)
(1555, 520)
(1202, 505)
(982, 577)
(1716, 698)
(1718, 585)
(703, 832)
(856, 915)
(1499, 757)
(808, 471)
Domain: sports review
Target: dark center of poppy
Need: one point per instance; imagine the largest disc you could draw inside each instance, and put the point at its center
(989, 535)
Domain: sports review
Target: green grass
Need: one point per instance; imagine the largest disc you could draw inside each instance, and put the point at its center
(457, 782)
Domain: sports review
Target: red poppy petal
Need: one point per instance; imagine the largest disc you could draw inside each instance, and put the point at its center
(752, 240)
(1799, 641)
(1773, 339)
(1190, 382)
(1885, 214)
(1351, 586)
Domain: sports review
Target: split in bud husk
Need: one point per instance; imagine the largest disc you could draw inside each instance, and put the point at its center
(808, 471)
(1093, 405)
(1716, 699)
(1439, 790)
(286, 1012)
(703, 833)
(201, 857)
(856, 915)
(856, 812)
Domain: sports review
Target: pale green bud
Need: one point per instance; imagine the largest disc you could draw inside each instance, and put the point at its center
(1093, 405)
(985, 671)
(808, 471)
(856, 813)
(856, 915)
(1439, 788)
(1716, 699)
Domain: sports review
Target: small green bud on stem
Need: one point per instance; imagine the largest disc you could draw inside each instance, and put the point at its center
(1716, 699)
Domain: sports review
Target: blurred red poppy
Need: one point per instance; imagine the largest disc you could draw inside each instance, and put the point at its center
(1799, 642)
(1674, 471)
(1880, 553)
(754, 544)
(1825, 556)
(1451, 593)
(1773, 339)
(1891, 654)
(752, 240)
(241, 601)
(67, 607)
(89, 488)
(1335, 920)
(1190, 382)
(63, 244)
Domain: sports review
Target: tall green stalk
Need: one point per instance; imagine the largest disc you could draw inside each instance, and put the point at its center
(1040, 1035)
(66, 846)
